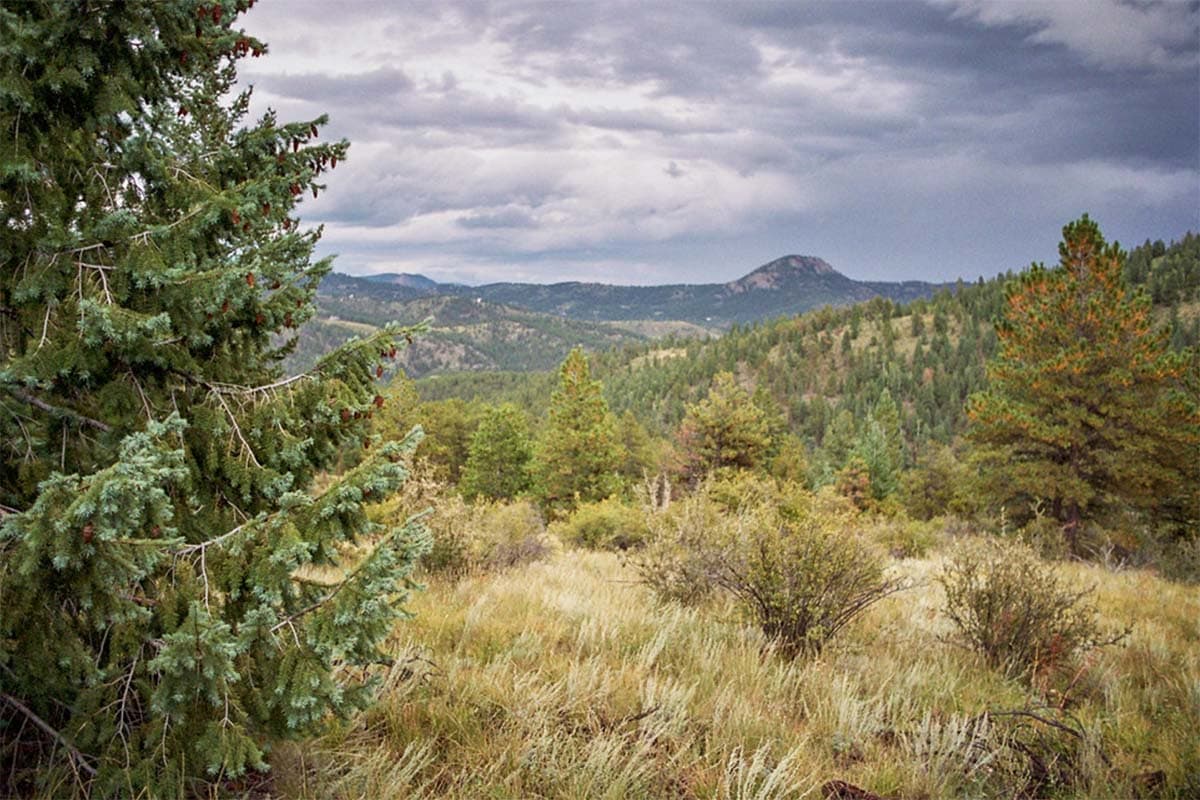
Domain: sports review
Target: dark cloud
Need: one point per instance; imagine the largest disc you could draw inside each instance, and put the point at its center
(690, 140)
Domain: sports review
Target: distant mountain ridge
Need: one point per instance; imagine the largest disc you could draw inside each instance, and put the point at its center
(786, 286)
(408, 280)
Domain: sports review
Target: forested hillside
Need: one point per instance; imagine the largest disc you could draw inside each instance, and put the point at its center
(929, 355)
(464, 334)
(787, 285)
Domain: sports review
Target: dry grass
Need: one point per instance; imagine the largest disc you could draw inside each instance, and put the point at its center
(564, 679)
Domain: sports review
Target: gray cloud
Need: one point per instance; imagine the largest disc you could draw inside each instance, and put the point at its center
(504, 218)
(674, 140)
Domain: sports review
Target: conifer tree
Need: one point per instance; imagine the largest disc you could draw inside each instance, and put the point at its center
(874, 453)
(724, 430)
(1087, 408)
(639, 453)
(887, 415)
(158, 628)
(498, 464)
(578, 457)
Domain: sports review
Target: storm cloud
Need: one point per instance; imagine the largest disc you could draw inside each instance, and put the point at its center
(690, 142)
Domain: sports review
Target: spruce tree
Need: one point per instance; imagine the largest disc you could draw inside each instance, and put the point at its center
(578, 458)
(173, 595)
(874, 452)
(1087, 409)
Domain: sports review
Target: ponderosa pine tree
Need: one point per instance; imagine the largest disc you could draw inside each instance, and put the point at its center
(724, 430)
(578, 458)
(499, 462)
(1086, 407)
(159, 623)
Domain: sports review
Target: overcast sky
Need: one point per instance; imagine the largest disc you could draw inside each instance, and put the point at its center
(665, 142)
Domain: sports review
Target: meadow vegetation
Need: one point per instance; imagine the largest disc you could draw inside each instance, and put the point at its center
(570, 676)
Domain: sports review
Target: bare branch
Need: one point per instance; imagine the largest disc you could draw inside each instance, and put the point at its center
(25, 397)
(236, 428)
(77, 757)
(200, 547)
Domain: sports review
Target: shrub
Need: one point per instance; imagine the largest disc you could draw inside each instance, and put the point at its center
(789, 558)
(938, 484)
(470, 537)
(508, 535)
(450, 527)
(1180, 560)
(1012, 608)
(674, 564)
(1045, 536)
(604, 525)
(906, 538)
(801, 580)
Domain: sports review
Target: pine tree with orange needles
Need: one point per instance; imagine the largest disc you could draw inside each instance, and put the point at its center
(1087, 410)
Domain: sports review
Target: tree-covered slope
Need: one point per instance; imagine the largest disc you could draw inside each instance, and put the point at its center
(928, 354)
(466, 334)
(787, 286)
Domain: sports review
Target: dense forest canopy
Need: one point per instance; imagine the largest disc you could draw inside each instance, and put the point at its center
(928, 354)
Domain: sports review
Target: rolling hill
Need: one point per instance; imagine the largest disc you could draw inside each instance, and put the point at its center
(784, 287)
(521, 326)
(466, 334)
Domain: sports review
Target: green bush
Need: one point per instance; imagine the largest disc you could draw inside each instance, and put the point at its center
(508, 535)
(450, 527)
(906, 538)
(674, 562)
(470, 537)
(793, 562)
(1013, 609)
(801, 579)
(937, 485)
(604, 525)
(1180, 560)
(1045, 536)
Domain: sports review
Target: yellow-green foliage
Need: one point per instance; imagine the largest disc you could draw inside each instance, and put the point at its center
(672, 564)
(470, 536)
(565, 679)
(1012, 608)
(798, 566)
(608, 524)
(906, 538)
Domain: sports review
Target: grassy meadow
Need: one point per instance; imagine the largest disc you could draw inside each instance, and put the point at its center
(566, 678)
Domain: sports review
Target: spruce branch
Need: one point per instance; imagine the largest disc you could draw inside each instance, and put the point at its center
(200, 547)
(236, 428)
(408, 526)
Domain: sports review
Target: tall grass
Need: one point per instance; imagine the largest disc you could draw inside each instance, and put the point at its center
(567, 679)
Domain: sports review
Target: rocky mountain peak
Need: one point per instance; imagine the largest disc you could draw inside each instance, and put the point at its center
(781, 272)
